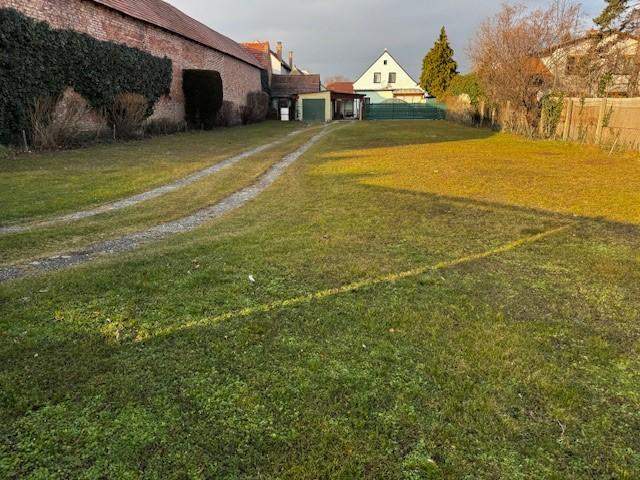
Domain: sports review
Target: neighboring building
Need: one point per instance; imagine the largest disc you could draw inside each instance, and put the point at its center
(386, 81)
(335, 102)
(347, 103)
(161, 30)
(272, 62)
(285, 80)
(285, 90)
(579, 66)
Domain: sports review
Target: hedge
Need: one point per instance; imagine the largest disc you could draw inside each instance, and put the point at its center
(38, 61)
(203, 97)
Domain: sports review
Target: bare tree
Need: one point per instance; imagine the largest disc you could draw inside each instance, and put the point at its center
(507, 47)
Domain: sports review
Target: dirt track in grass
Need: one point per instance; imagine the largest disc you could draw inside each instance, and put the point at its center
(150, 194)
(132, 241)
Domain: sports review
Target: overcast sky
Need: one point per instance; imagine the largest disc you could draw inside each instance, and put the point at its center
(345, 36)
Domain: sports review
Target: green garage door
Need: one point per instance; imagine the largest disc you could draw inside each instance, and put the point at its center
(313, 110)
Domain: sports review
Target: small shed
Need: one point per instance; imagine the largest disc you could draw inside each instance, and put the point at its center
(329, 105)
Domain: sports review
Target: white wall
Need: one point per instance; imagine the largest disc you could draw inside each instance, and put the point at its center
(276, 66)
(403, 80)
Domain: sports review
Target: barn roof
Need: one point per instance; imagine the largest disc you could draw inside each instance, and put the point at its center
(261, 51)
(167, 17)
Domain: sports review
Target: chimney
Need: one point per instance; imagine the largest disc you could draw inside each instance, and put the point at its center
(291, 59)
(279, 50)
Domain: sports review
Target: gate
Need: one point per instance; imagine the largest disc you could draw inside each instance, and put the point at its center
(405, 111)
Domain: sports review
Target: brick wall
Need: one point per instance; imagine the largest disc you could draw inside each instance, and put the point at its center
(84, 16)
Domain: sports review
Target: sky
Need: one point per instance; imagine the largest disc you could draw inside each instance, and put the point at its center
(343, 37)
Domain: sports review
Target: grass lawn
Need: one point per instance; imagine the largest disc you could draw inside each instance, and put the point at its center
(521, 364)
(45, 184)
(177, 204)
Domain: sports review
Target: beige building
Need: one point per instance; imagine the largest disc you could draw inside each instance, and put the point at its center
(591, 65)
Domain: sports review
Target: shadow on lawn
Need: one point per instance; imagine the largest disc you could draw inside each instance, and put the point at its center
(627, 229)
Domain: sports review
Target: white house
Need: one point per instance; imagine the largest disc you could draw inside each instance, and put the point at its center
(386, 81)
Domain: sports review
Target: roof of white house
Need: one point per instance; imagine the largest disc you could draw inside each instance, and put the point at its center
(384, 65)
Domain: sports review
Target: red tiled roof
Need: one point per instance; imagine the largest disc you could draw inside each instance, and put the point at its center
(163, 15)
(288, 85)
(341, 87)
(261, 51)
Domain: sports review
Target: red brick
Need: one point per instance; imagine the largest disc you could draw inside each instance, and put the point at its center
(238, 77)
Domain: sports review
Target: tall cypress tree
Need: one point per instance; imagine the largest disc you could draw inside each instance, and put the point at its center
(438, 67)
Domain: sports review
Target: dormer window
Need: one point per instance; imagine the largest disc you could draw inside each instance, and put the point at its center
(377, 77)
(392, 77)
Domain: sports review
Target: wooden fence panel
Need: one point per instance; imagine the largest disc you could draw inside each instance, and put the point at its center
(608, 121)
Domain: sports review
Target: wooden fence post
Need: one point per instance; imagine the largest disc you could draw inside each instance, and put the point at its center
(541, 124)
(567, 121)
(601, 114)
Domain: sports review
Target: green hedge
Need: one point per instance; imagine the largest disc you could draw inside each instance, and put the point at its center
(37, 61)
(466, 84)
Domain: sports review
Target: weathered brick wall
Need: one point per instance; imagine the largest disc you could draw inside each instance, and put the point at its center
(238, 78)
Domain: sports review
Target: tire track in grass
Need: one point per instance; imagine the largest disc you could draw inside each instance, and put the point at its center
(369, 282)
(133, 241)
(150, 194)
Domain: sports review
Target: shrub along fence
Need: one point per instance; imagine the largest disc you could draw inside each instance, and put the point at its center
(610, 122)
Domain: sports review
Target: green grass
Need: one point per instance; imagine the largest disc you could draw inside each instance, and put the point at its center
(520, 365)
(75, 235)
(40, 185)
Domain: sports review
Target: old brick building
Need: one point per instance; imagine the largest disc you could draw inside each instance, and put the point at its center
(160, 29)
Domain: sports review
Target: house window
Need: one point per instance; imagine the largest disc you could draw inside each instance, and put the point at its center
(392, 77)
(385, 62)
(573, 65)
(377, 77)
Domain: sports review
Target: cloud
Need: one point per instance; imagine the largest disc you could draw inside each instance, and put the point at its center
(344, 36)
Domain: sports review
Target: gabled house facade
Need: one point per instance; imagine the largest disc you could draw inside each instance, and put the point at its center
(386, 81)
(271, 61)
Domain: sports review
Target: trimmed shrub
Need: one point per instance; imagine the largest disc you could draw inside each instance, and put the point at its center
(228, 115)
(203, 97)
(127, 115)
(256, 108)
(39, 62)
